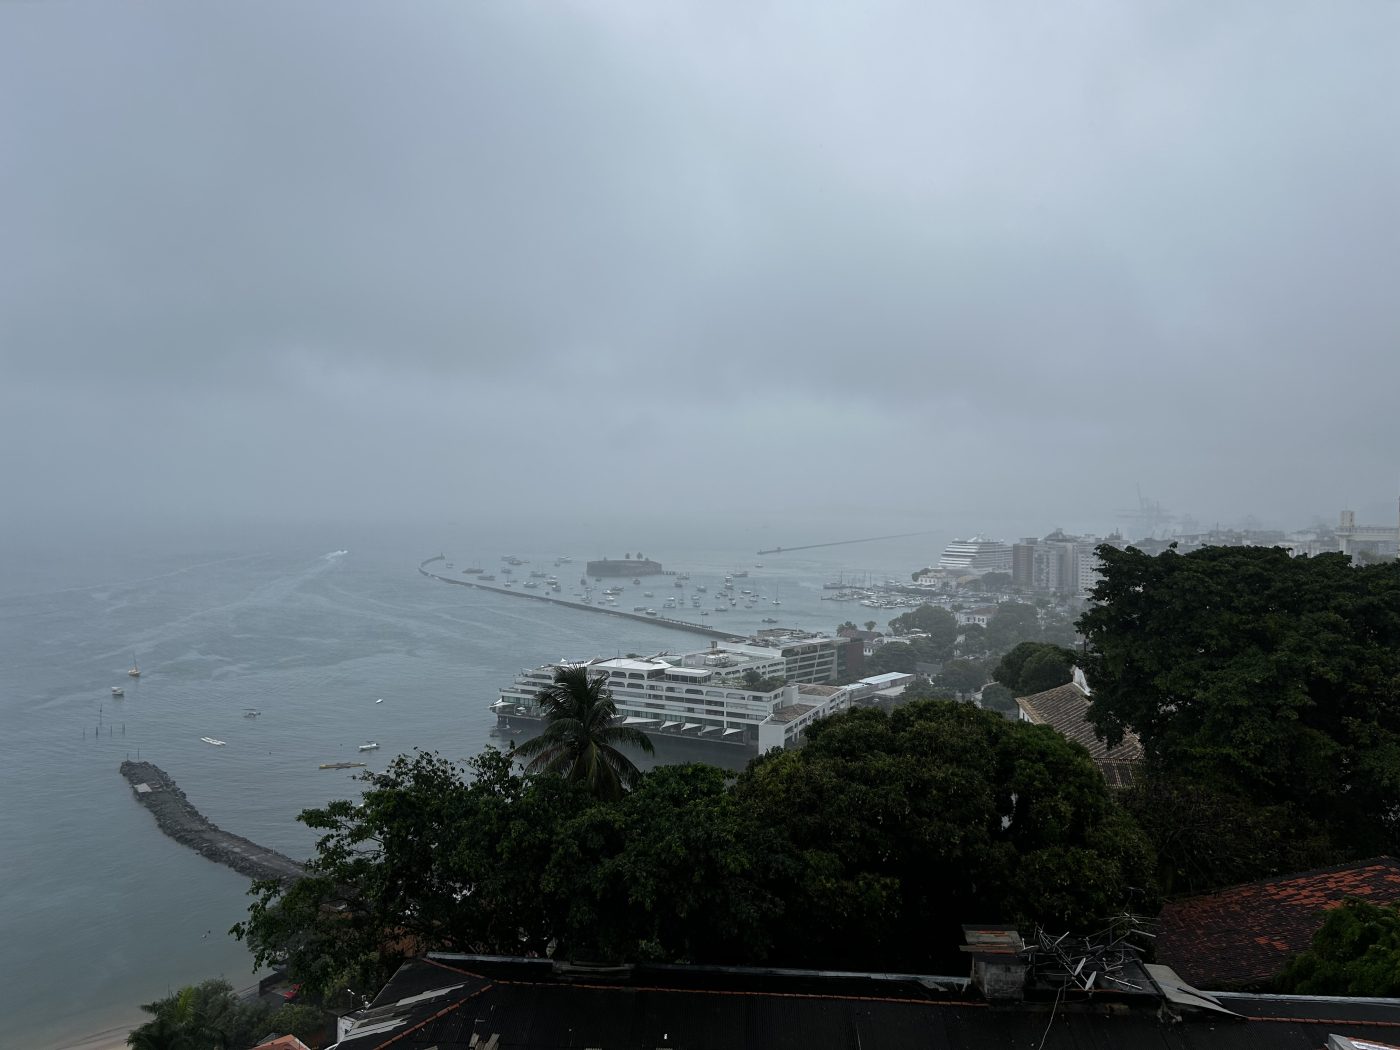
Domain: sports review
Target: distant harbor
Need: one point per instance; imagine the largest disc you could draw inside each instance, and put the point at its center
(663, 621)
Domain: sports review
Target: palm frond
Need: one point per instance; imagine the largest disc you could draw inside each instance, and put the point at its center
(580, 733)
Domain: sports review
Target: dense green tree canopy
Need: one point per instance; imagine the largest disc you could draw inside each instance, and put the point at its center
(996, 697)
(435, 857)
(895, 656)
(206, 1016)
(1258, 675)
(962, 676)
(1013, 622)
(678, 871)
(939, 624)
(1033, 667)
(866, 847)
(903, 826)
(1356, 952)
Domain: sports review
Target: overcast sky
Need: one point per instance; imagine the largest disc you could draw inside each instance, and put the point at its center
(958, 266)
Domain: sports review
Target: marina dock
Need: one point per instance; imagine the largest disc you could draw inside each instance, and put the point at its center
(175, 816)
(663, 621)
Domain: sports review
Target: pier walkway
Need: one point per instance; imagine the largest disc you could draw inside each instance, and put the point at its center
(182, 822)
(662, 621)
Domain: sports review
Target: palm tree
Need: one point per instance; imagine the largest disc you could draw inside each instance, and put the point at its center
(580, 737)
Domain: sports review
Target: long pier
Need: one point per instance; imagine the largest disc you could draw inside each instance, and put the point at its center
(661, 621)
(178, 818)
(841, 543)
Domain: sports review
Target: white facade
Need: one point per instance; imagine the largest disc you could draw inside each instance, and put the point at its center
(700, 695)
(976, 557)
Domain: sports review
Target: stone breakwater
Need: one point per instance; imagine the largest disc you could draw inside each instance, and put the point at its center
(179, 819)
(656, 621)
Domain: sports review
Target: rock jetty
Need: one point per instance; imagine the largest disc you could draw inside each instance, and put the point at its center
(175, 816)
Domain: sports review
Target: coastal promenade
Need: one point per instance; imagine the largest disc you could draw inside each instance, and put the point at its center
(663, 621)
(175, 816)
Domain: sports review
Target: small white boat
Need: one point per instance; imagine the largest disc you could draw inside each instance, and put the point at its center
(211, 740)
(118, 691)
(135, 671)
(380, 700)
(251, 712)
(371, 745)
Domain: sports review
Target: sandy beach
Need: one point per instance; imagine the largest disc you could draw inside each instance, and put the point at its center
(113, 1038)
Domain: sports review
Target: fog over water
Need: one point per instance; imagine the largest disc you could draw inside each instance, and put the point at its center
(278, 280)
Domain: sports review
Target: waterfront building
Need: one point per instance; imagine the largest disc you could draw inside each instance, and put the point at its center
(1058, 564)
(702, 695)
(976, 557)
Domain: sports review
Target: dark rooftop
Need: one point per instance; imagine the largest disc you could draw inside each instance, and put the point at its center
(1245, 935)
(447, 1002)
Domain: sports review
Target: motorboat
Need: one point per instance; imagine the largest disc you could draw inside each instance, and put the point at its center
(371, 745)
(118, 691)
(251, 712)
(211, 740)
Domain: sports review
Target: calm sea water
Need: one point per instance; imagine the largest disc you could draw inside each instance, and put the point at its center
(100, 911)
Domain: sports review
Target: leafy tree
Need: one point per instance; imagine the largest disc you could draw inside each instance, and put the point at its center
(1355, 952)
(1059, 630)
(972, 642)
(996, 581)
(1013, 622)
(1271, 678)
(1046, 663)
(758, 683)
(923, 689)
(580, 739)
(205, 1016)
(847, 625)
(899, 827)
(1000, 699)
(677, 871)
(1184, 821)
(870, 625)
(939, 624)
(962, 676)
(920, 572)
(894, 656)
(428, 860)
(1045, 670)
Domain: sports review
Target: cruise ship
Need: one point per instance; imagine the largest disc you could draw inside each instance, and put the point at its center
(976, 556)
(701, 695)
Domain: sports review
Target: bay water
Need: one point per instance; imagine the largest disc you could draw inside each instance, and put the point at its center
(99, 910)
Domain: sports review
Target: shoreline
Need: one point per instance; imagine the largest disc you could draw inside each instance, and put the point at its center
(112, 1038)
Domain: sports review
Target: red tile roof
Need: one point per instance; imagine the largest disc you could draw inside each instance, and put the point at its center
(1245, 935)
(284, 1042)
